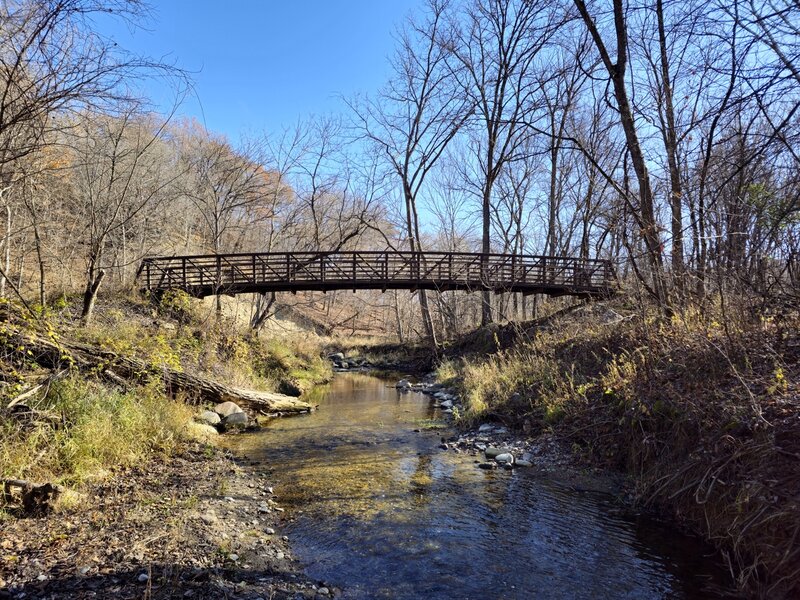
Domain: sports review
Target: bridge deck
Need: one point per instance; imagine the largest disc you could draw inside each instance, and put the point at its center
(206, 275)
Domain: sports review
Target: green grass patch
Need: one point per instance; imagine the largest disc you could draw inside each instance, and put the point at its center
(90, 430)
(431, 424)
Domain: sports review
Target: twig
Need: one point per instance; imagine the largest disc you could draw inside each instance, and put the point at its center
(25, 395)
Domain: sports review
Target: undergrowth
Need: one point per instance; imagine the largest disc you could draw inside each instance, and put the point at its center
(78, 428)
(178, 335)
(82, 429)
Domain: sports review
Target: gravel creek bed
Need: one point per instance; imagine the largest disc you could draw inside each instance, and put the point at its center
(198, 525)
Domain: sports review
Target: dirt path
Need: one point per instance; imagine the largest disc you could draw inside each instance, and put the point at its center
(199, 525)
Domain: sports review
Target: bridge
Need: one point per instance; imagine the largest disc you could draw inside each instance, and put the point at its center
(231, 274)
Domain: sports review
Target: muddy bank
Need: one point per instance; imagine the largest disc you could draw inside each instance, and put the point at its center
(201, 524)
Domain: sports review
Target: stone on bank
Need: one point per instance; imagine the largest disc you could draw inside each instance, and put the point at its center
(226, 409)
(237, 420)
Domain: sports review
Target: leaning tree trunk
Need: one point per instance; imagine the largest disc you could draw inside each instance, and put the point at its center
(90, 294)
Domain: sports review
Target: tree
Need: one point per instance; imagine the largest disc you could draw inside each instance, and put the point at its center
(54, 63)
(414, 119)
(616, 69)
(120, 171)
(493, 52)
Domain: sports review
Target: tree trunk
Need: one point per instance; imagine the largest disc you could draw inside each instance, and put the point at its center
(646, 214)
(6, 252)
(90, 295)
(486, 247)
(262, 313)
(412, 225)
(671, 146)
(398, 320)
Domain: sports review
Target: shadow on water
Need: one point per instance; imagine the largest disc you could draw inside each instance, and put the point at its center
(382, 512)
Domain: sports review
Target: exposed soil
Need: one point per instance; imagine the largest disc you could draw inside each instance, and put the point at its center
(196, 525)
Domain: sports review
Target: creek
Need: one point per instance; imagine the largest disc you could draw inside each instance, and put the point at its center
(379, 510)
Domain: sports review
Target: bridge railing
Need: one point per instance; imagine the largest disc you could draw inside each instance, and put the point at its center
(238, 273)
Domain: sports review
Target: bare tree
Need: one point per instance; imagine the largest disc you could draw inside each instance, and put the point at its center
(494, 47)
(616, 69)
(414, 119)
(119, 172)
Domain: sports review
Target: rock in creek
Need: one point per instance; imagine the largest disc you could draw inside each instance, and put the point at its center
(336, 357)
(226, 409)
(209, 417)
(492, 452)
(523, 463)
(403, 384)
(236, 420)
(505, 458)
(447, 404)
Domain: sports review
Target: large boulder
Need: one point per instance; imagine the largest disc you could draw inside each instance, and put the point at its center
(336, 357)
(209, 417)
(237, 420)
(226, 409)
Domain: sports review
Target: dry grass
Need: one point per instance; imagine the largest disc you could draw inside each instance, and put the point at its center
(82, 429)
(182, 335)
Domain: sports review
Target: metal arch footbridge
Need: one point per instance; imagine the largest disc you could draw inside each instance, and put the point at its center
(249, 273)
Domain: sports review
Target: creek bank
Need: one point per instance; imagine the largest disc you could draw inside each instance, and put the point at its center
(544, 451)
(496, 446)
(701, 419)
(200, 524)
(388, 358)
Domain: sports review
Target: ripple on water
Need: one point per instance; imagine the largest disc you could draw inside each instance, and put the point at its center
(386, 514)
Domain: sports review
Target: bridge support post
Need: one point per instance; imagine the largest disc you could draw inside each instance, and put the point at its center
(218, 282)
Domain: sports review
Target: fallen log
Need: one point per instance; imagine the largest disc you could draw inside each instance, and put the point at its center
(84, 357)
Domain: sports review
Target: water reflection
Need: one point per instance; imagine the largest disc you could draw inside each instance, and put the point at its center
(382, 512)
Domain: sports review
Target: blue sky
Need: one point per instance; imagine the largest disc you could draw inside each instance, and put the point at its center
(263, 65)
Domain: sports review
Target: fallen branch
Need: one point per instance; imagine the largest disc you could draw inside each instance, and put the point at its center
(84, 357)
(25, 395)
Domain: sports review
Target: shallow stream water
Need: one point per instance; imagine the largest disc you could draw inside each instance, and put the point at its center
(381, 511)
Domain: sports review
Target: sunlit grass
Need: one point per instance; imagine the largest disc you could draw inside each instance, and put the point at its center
(91, 431)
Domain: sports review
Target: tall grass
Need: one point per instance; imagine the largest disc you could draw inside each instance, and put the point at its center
(83, 430)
